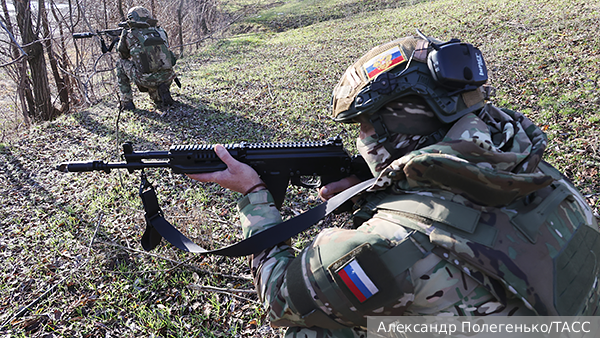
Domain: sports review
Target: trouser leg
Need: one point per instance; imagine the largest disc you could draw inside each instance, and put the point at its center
(124, 80)
(153, 92)
(165, 93)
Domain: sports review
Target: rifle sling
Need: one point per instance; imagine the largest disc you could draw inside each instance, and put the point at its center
(254, 244)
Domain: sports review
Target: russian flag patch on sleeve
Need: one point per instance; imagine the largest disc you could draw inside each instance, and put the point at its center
(357, 281)
(384, 61)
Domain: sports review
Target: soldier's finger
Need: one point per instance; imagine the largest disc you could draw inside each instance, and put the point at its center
(325, 194)
(205, 177)
(225, 156)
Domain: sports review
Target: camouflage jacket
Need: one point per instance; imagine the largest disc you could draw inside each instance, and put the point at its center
(484, 164)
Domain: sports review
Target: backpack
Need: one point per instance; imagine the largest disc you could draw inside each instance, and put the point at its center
(154, 54)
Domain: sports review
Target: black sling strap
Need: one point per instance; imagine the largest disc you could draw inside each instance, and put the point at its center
(158, 227)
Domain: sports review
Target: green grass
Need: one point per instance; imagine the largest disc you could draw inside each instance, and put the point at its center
(270, 82)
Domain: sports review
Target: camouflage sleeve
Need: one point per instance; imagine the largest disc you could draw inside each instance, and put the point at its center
(257, 213)
(122, 46)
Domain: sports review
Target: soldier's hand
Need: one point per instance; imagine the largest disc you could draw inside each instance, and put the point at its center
(237, 177)
(328, 191)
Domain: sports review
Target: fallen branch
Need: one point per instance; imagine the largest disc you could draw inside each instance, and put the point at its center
(198, 287)
(230, 292)
(177, 263)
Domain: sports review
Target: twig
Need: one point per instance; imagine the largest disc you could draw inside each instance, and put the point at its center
(95, 233)
(219, 221)
(13, 61)
(198, 287)
(225, 291)
(270, 94)
(178, 263)
(12, 37)
(35, 301)
(210, 36)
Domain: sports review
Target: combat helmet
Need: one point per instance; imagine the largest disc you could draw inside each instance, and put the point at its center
(139, 15)
(447, 75)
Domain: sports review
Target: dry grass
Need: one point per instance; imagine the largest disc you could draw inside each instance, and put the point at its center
(70, 242)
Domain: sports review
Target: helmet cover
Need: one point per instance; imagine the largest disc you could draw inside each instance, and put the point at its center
(407, 67)
(139, 14)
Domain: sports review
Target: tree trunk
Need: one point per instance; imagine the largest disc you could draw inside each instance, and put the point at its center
(64, 60)
(44, 111)
(152, 9)
(120, 7)
(23, 88)
(180, 26)
(63, 92)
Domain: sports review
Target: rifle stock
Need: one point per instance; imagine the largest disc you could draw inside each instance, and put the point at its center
(278, 164)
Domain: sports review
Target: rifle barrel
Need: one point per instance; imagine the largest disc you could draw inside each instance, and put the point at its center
(106, 167)
(83, 35)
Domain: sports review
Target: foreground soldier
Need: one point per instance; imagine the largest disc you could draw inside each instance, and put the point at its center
(145, 59)
(464, 218)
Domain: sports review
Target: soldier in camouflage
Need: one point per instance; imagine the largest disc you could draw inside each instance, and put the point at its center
(145, 59)
(464, 218)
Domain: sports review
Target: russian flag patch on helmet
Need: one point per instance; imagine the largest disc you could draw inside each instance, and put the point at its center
(357, 281)
(384, 61)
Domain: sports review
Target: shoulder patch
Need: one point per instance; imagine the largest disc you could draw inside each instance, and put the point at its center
(384, 61)
(357, 281)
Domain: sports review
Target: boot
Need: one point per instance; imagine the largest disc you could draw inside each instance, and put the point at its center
(153, 92)
(165, 94)
(128, 105)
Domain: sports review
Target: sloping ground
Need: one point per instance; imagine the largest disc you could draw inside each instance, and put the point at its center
(279, 16)
(543, 57)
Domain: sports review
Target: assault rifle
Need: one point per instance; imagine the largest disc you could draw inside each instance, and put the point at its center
(278, 164)
(113, 34)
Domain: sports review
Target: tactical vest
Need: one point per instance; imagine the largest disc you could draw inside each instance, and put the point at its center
(505, 218)
(543, 247)
(152, 54)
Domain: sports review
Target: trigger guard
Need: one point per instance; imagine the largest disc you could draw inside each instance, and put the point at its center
(298, 182)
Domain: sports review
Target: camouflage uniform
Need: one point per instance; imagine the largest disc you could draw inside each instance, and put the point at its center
(431, 286)
(148, 72)
(442, 231)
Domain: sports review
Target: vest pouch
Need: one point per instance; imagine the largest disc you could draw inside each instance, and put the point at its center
(576, 273)
(543, 249)
(443, 214)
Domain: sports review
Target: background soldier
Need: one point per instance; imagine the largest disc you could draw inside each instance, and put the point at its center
(145, 59)
(463, 219)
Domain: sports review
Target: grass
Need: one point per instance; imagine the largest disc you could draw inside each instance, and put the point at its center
(270, 82)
